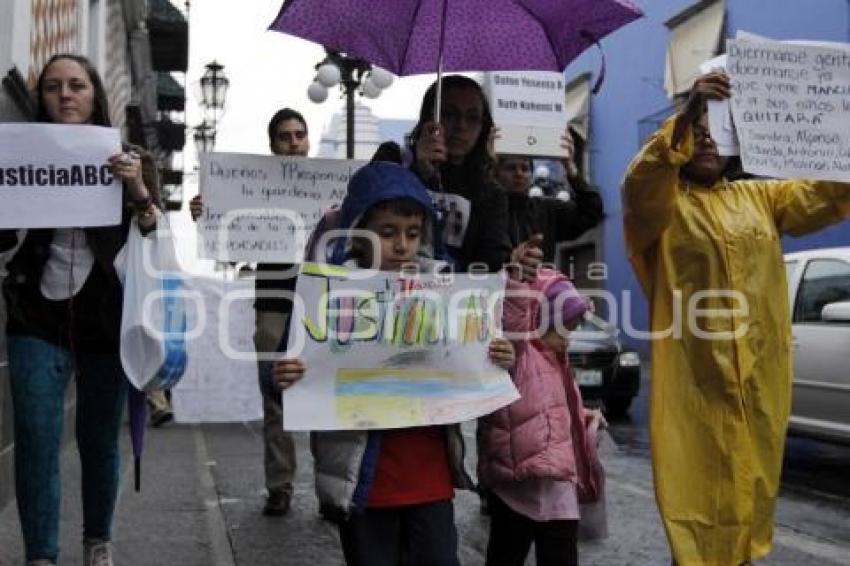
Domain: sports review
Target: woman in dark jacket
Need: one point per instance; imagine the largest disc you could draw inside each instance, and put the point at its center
(64, 305)
(554, 219)
(451, 156)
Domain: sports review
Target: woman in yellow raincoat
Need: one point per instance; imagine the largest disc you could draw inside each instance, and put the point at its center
(708, 255)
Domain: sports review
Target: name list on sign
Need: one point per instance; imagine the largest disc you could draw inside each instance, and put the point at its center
(791, 107)
(529, 108)
(516, 102)
(264, 208)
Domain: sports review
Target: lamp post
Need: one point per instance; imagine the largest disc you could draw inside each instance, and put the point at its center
(352, 74)
(214, 85)
(204, 138)
(213, 93)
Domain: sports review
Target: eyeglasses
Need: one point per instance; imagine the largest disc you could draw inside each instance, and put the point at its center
(291, 136)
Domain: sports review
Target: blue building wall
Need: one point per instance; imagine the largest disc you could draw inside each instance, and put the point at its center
(633, 92)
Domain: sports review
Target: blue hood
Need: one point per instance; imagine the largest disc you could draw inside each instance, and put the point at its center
(372, 184)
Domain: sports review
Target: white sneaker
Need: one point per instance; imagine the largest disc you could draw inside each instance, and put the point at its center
(97, 552)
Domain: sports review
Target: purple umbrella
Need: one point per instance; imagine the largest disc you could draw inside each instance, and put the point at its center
(409, 37)
(137, 409)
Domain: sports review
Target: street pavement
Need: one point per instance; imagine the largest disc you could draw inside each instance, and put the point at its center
(202, 494)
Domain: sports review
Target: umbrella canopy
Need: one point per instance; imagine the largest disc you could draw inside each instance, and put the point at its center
(405, 36)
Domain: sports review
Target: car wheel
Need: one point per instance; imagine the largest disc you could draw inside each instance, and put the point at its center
(617, 406)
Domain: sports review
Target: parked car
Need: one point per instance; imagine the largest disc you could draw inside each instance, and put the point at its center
(819, 294)
(606, 371)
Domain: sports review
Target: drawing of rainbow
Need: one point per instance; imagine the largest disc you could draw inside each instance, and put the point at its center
(396, 397)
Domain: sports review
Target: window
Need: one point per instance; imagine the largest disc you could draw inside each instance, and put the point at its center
(695, 36)
(825, 281)
(577, 108)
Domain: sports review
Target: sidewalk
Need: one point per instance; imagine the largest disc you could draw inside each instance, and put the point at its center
(202, 491)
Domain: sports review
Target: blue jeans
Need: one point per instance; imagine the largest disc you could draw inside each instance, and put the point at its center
(39, 372)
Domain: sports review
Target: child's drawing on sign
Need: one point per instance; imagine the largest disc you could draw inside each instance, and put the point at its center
(394, 350)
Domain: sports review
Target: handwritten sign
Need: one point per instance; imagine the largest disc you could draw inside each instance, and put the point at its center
(528, 107)
(55, 175)
(791, 106)
(386, 350)
(263, 208)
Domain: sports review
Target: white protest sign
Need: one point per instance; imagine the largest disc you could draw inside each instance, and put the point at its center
(791, 106)
(263, 208)
(720, 122)
(528, 108)
(55, 175)
(387, 350)
(220, 382)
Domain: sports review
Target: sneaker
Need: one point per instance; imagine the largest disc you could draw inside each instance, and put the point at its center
(159, 418)
(277, 503)
(97, 552)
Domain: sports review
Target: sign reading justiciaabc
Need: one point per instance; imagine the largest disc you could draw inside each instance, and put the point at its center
(56, 175)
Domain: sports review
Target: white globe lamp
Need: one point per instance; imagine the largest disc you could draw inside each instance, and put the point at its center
(370, 89)
(317, 92)
(328, 74)
(381, 77)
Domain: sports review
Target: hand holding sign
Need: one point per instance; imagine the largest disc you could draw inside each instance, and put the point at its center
(430, 149)
(569, 161)
(713, 86)
(287, 372)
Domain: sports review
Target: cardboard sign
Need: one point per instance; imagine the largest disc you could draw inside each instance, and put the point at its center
(528, 107)
(263, 208)
(56, 175)
(791, 106)
(387, 350)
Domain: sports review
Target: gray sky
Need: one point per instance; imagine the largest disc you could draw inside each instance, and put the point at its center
(267, 71)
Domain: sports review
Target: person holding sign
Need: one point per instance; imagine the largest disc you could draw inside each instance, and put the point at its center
(552, 219)
(391, 489)
(64, 301)
(288, 136)
(721, 383)
(451, 157)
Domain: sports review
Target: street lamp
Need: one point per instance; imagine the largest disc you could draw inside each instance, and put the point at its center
(352, 74)
(204, 138)
(214, 86)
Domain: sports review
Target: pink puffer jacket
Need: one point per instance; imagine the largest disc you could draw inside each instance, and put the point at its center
(543, 434)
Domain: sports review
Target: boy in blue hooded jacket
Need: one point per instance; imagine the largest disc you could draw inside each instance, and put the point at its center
(392, 489)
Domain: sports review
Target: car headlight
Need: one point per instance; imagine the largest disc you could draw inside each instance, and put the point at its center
(629, 359)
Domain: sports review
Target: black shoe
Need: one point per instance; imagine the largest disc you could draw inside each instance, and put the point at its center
(159, 418)
(277, 503)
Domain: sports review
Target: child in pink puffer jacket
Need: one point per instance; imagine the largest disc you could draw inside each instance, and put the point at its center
(533, 455)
